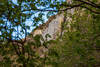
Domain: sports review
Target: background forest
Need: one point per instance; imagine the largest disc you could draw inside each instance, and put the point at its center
(78, 46)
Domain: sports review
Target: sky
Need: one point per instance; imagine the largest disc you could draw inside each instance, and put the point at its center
(29, 22)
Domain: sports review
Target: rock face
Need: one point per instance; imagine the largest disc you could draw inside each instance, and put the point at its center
(51, 27)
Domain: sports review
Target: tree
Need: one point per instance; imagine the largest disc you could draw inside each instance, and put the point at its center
(13, 15)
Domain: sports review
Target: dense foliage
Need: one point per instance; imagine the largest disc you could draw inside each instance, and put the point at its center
(79, 46)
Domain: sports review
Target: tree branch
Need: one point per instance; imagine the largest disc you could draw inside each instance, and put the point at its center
(91, 3)
(90, 10)
(70, 7)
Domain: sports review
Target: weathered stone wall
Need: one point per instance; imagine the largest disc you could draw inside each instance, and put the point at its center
(51, 27)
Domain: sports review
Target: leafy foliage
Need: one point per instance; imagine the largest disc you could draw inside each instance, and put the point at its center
(79, 46)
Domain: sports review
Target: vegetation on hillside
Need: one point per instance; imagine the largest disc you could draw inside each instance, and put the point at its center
(79, 46)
